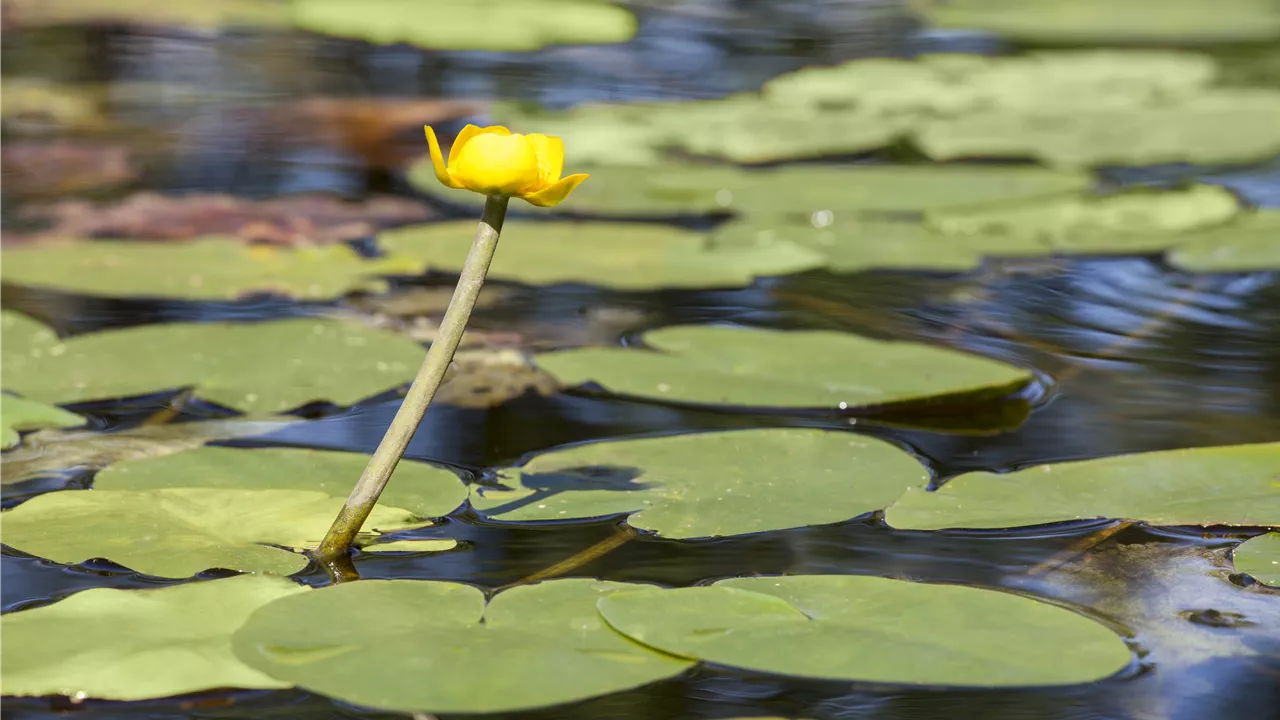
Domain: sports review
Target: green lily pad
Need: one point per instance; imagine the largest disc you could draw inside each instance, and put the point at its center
(421, 489)
(1251, 243)
(205, 269)
(1233, 485)
(19, 414)
(262, 367)
(1134, 221)
(617, 255)
(1110, 21)
(138, 644)
(424, 647)
(1259, 558)
(416, 546)
(775, 368)
(21, 335)
(179, 532)
(843, 627)
(500, 25)
(709, 484)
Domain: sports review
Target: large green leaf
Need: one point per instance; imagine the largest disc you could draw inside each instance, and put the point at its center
(1233, 485)
(1259, 557)
(870, 629)
(421, 646)
(775, 368)
(262, 367)
(179, 532)
(618, 255)
(1252, 242)
(421, 489)
(208, 268)
(1110, 21)
(138, 644)
(23, 339)
(708, 484)
(19, 414)
(510, 25)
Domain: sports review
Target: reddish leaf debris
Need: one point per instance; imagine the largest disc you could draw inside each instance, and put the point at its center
(39, 167)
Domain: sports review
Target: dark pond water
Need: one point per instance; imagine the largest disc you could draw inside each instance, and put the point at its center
(1133, 356)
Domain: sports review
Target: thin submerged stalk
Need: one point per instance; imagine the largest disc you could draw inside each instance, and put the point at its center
(337, 542)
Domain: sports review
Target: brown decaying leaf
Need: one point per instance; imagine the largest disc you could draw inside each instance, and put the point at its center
(34, 167)
(291, 220)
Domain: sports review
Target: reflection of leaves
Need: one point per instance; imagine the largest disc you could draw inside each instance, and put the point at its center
(138, 644)
(18, 414)
(538, 645)
(33, 167)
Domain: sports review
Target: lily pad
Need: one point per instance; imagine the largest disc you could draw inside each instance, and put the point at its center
(263, 367)
(179, 532)
(1233, 485)
(709, 484)
(1259, 558)
(1249, 244)
(617, 255)
(138, 644)
(204, 269)
(415, 546)
(502, 25)
(869, 629)
(775, 368)
(426, 649)
(1110, 21)
(204, 15)
(18, 414)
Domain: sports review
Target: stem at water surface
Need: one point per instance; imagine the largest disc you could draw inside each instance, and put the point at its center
(337, 542)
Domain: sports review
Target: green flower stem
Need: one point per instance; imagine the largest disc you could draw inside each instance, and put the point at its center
(337, 542)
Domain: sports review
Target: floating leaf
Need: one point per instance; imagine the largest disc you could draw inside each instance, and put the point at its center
(774, 368)
(417, 546)
(708, 484)
(868, 629)
(262, 367)
(209, 268)
(423, 646)
(1110, 21)
(138, 644)
(1201, 486)
(19, 414)
(1259, 558)
(422, 489)
(1250, 243)
(510, 25)
(617, 255)
(179, 532)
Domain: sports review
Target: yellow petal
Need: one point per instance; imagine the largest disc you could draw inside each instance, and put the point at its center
(550, 152)
(553, 194)
(437, 160)
(469, 132)
(496, 164)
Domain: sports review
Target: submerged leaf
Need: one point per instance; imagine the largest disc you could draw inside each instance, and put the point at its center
(1232, 485)
(779, 369)
(869, 629)
(425, 648)
(18, 414)
(138, 644)
(709, 484)
(1259, 558)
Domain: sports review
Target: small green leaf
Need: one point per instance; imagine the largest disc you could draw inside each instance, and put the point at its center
(1259, 558)
(18, 414)
(1233, 485)
(709, 484)
(417, 546)
(138, 644)
(421, 646)
(869, 629)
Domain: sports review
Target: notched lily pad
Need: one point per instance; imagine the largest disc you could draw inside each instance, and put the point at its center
(1259, 558)
(781, 369)
(258, 368)
(709, 484)
(869, 629)
(1234, 485)
(138, 644)
(17, 414)
(628, 256)
(539, 645)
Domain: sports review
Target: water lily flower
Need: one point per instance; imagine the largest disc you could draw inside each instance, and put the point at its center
(494, 161)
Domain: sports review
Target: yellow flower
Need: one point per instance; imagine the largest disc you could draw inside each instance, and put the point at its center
(493, 161)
